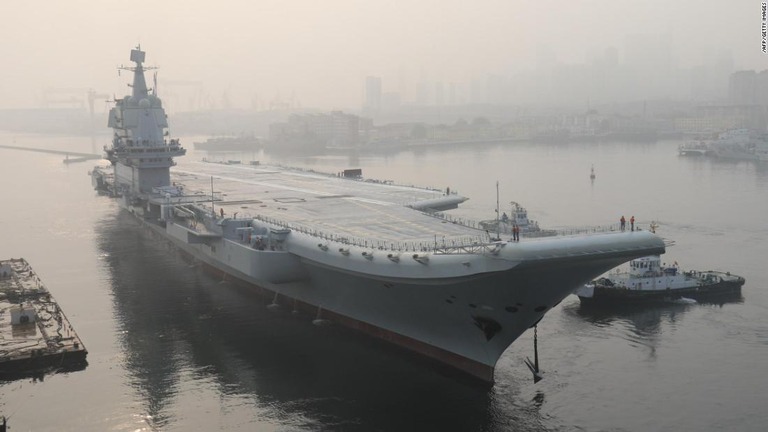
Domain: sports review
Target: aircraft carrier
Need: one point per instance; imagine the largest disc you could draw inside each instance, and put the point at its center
(374, 256)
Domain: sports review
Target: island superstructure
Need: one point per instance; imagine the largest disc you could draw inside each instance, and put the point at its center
(372, 255)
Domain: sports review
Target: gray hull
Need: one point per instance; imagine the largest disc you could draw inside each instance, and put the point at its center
(465, 322)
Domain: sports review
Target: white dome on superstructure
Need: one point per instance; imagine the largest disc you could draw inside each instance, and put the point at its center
(155, 101)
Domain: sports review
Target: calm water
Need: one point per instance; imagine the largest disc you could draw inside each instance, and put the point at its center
(170, 348)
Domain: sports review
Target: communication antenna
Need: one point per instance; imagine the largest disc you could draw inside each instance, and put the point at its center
(498, 227)
(213, 209)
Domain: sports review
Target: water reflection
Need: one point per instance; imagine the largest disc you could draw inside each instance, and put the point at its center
(645, 321)
(39, 374)
(185, 333)
(761, 172)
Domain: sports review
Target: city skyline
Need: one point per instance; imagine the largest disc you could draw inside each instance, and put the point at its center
(244, 55)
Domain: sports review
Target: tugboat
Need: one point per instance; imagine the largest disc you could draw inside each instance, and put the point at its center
(649, 280)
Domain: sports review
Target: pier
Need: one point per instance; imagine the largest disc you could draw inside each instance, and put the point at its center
(35, 335)
(69, 156)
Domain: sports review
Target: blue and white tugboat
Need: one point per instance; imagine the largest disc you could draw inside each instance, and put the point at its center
(649, 280)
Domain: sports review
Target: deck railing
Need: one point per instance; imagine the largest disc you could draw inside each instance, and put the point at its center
(481, 243)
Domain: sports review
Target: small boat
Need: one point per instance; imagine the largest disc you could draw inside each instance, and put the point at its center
(736, 144)
(650, 280)
(592, 173)
(694, 148)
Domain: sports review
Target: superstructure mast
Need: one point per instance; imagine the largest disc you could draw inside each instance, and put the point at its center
(140, 152)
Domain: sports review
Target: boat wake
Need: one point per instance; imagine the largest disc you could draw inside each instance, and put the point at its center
(683, 300)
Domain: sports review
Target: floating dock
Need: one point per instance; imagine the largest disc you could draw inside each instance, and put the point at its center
(35, 336)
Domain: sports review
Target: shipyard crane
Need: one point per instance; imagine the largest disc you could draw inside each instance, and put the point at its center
(75, 97)
(93, 95)
(52, 96)
(197, 91)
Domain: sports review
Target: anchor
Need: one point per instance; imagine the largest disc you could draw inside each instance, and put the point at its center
(534, 366)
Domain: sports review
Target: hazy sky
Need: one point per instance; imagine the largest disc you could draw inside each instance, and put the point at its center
(320, 51)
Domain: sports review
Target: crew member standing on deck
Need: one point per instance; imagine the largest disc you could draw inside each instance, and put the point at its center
(623, 223)
(632, 223)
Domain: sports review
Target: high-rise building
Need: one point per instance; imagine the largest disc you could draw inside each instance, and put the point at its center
(742, 88)
(372, 94)
(761, 81)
